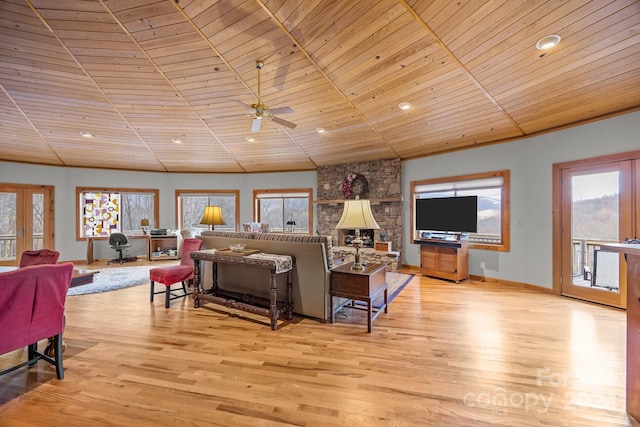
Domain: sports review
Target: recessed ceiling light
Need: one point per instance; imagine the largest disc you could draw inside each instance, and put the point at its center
(547, 42)
(86, 134)
(176, 140)
(320, 130)
(250, 139)
(404, 105)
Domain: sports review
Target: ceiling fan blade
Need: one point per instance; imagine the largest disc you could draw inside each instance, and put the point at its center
(242, 103)
(255, 126)
(281, 110)
(283, 122)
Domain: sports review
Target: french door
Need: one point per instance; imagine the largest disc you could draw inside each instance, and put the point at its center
(26, 220)
(598, 204)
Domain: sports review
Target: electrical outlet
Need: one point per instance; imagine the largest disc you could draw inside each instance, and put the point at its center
(482, 265)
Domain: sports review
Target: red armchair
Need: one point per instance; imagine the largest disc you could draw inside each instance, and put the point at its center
(172, 274)
(31, 309)
(41, 256)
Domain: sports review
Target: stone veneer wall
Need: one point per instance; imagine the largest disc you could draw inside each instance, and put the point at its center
(367, 255)
(384, 178)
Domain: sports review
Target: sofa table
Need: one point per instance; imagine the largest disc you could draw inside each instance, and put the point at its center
(359, 285)
(276, 264)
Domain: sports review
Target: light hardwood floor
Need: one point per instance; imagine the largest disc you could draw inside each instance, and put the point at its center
(472, 354)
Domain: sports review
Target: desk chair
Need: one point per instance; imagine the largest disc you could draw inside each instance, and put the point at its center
(119, 243)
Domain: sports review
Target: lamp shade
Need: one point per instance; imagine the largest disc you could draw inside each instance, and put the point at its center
(212, 216)
(357, 215)
(144, 222)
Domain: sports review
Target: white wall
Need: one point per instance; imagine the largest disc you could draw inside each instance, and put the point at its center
(66, 180)
(530, 162)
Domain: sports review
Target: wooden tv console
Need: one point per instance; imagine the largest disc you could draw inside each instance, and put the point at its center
(444, 259)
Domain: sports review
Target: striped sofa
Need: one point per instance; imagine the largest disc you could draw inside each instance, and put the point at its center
(311, 272)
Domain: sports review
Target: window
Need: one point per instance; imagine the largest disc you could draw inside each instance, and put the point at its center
(191, 204)
(104, 211)
(287, 211)
(492, 189)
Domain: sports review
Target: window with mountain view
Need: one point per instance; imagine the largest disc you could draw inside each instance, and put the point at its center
(492, 190)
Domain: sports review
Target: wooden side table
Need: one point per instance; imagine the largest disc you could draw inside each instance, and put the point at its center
(359, 285)
(339, 260)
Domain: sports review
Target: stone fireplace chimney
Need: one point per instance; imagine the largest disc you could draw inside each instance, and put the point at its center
(382, 180)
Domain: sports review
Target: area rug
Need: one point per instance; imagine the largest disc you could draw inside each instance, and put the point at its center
(109, 279)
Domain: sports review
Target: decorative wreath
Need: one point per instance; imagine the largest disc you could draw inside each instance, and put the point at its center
(347, 185)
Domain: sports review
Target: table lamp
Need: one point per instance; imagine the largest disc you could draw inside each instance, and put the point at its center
(212, 216)
(355, 216)
(144, 223)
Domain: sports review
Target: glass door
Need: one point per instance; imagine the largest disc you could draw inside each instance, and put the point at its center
(26, 220)
(596, 208)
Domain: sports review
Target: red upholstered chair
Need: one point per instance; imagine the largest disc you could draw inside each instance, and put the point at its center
(175, 273)
(31, 309)
(42, 256)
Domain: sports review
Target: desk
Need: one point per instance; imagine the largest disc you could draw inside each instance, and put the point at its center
(281, 264)
(360, 285)
(134, 236)
(632, 253)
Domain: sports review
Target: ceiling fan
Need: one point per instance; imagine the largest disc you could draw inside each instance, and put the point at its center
(259, 111)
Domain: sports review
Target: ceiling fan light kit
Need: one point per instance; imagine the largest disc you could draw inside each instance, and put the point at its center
(259, 110)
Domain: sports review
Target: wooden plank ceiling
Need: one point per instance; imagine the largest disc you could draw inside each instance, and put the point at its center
(138, 73)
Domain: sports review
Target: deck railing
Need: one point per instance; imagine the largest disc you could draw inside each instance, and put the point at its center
(8, 245)
(583, 253)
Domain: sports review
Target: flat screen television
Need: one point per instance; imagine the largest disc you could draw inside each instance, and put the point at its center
(448, 214)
